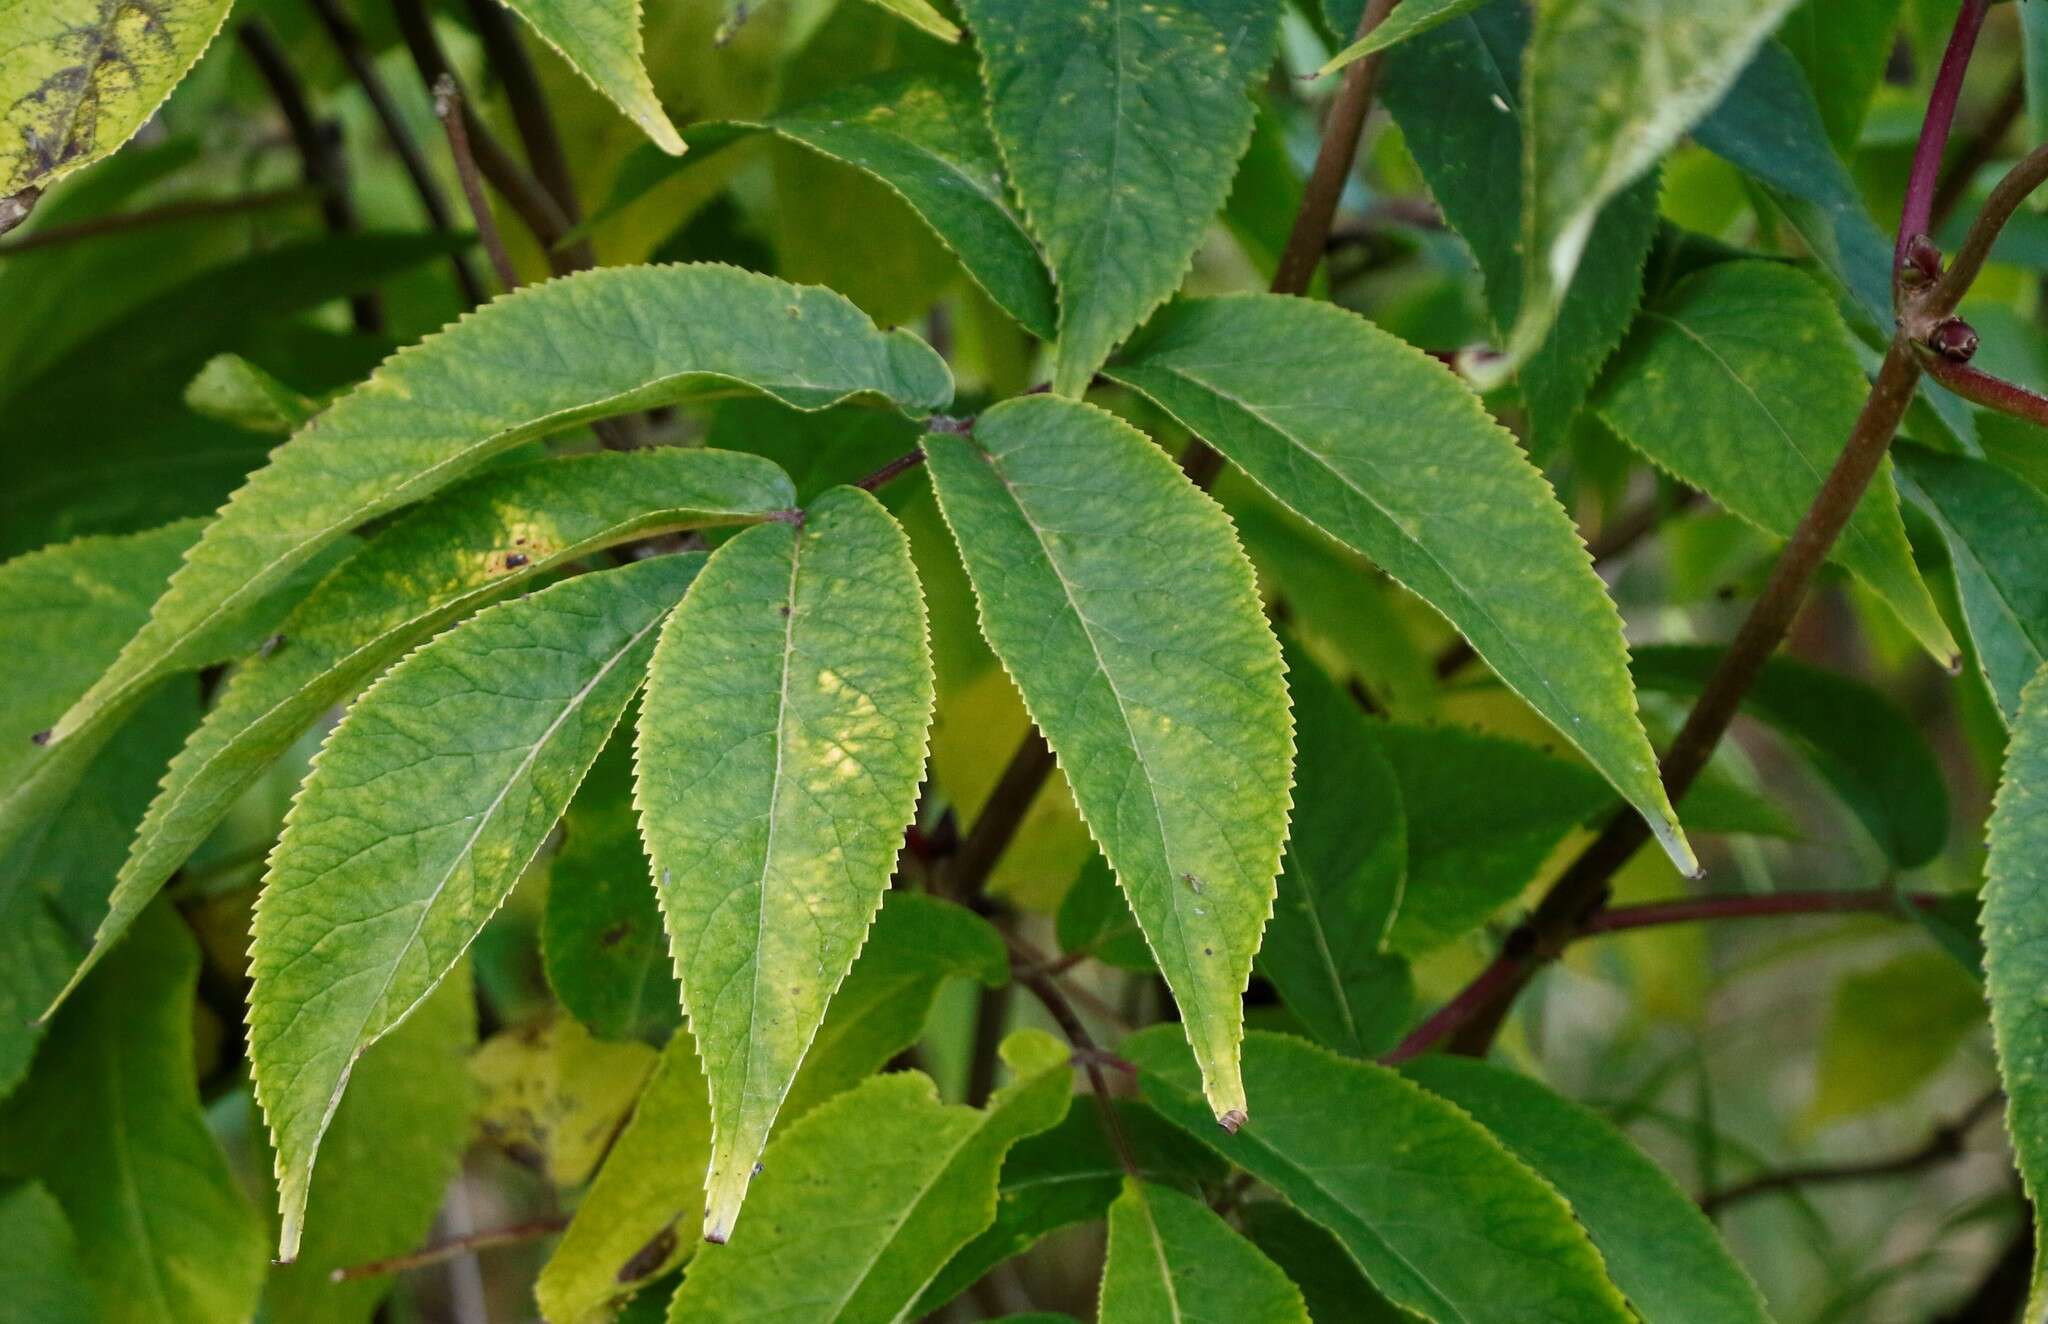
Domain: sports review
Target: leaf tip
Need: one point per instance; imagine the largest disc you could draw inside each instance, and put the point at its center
(1230, 1119)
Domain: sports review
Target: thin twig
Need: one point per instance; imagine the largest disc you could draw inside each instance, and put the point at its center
(320, 159)
(169, 214)
(900, 465)
(498, 30)
(348, 41)
(1000, 817)
(1871, 900)
(2005, 198)
(516, 1234)
(1028, 968)
(1946, 1143)
(448, 106)
(1980, 387)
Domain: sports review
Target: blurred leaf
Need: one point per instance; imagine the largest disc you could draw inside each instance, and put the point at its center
(233, 390)
(780, 749)
(1334, 1288)
(1279, 386)
(1890, 1029)
(1404, 22)
(1440, 1216)
(904, 1181)
(423, 808)
(109, 1122)
(1091, 554)
(1855, 737)
(1148, 118)
(1096, 921)
(1662, 1252)
(41, 1273)
(1955, 922)
(553, 1097)
(1740, 382)
(1996, 527)
(601, 40)
(1843, 46)
(921, 14)
(1173, 1259)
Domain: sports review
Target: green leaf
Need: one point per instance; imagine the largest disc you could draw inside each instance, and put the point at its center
(1406, 21)
(1095, 921)
(1332, 1285)
(109, 1122)
(601, 940)
(1454, 93)
(487, 538)
(781, 744)
(1117, 597)
(1443, 1219)
(1121, 123)
(1281, 386)
(1854, 736)
(2016, 946)
(1996, 526)
(234, 390)
(624, 1233)
(1741, 382)
(40, 1270)
(901, 1179)
(1843, 45)
(601, 41)
(81, 80)
(1070, 1174)
(1173, 1259)
(1890, 1030)
(1611, 85)
(529, 364)
(1341, 879)
(422, 809)
(1482, 815)
(395, 1144)
(553, 1097)
(1662, 1252)
(921, 14)
(924, 136)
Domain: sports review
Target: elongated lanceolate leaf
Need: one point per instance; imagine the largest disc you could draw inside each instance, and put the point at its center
(1376, 444)
(1442, 1219)
(1741, 382)
(2016, 947)
(780, 748)
(531, 363)
(421, 811)
(900, 1179)
(80, 79)
(483, 540)
(1610, 85)
(1173, 1260)
(1663, 1253)
(924, 135)
(1119, 600)
(1409, 20)
(1121, 121)
(1996, 527)
(601, 40)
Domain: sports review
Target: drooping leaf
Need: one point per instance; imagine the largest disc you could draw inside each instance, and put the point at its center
(1070, 1174)
(1440, 1216)
(601, 40)
(1855, 738)
(630, 1227)
(532, 363)
(1121, 123)
(2016, 945)
(1741, 382)
(1610, 86)
(485, 539)
(1117, 597)
(40, 1270)
(1454, 92)
(1662, 1252)
(109, 1122)
(922, 14)
(81, 79)
(1173, 1259)
(925, 137)
(902, 1179)
(1363, 435)
(1341, 878)
(422, 809)
(1405, 21)
(1843, 46)
(552, 1097)
(395, 1143)
(780, 749)
(1996, 526)
(1889, 1030)
(601, 940)
(234, 390)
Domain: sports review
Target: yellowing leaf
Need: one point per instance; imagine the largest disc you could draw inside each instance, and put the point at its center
(554, 1097)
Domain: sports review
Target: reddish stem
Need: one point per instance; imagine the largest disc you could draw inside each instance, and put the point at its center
(1875, 900)
(1980, 387)
(1925, 179)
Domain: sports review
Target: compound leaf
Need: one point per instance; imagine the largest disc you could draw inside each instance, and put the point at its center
(1117, 596)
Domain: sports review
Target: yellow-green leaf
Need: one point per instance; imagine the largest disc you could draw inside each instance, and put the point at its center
(601, 40)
